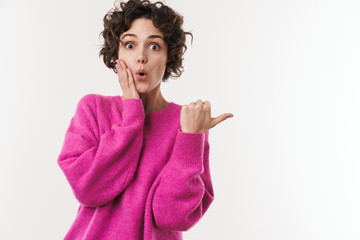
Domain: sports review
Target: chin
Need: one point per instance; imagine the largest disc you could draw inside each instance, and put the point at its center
(141, 89)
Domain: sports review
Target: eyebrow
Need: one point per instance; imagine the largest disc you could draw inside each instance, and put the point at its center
(133, 35)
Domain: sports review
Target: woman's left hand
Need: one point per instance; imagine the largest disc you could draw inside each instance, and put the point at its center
(196, 117)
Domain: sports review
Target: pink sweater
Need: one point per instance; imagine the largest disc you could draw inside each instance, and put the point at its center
(135, 175)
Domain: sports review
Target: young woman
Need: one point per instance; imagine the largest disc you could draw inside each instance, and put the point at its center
(138, 164)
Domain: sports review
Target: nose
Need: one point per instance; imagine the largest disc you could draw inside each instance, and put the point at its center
(141, 59)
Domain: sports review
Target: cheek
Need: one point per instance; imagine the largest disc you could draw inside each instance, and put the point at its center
(160, 68)
(123, 55)
(161, 62)
(126, 58)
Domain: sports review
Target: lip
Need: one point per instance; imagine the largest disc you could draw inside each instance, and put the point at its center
(141, 70)
(141, 77)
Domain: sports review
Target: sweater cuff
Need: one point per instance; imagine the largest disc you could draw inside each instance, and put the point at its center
(190, 146)
(133, 110)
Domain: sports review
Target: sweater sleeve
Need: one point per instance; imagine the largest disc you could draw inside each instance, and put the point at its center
(99, 168)
(185, 190)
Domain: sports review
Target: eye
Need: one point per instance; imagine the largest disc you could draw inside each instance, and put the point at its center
(156, 46)
(127, 44)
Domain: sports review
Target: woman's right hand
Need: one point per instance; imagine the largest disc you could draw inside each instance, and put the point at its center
(126, 80)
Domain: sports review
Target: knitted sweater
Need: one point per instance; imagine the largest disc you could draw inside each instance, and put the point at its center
(135, 175)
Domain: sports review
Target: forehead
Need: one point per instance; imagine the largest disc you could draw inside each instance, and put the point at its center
(143, 27)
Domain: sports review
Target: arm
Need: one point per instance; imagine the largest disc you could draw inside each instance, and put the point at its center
(98, 170)
(185, 191)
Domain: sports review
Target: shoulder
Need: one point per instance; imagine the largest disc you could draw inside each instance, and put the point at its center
(88, 98)
(88, 101)
(97, 103)
(93, 99)
(86, 106)
(93, 102)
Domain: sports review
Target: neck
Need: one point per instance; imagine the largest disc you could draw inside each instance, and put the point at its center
(153, 101)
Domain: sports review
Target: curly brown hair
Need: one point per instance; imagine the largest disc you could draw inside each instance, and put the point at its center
(169, 22)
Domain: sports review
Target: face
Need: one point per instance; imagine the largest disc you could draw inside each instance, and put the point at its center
(143, 47)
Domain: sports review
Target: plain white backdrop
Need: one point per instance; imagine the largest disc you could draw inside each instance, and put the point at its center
(286, 166)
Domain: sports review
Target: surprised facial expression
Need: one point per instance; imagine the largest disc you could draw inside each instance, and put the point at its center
(143, 49)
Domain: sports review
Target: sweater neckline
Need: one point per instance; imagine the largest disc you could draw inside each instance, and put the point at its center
(151, 114)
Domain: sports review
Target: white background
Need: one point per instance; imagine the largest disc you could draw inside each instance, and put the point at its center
(286, 166)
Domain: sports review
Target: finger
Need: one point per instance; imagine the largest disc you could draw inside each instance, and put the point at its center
(119, 64)
(206, 102)
(131, 79)
(207, 105)
(121, 69)
(119, 73)
(124, 73)
(219, 119)
(126, 77)
(133, 75)
(122, 65)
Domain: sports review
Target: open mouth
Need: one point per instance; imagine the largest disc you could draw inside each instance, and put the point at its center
(141, 73)
(141, 76)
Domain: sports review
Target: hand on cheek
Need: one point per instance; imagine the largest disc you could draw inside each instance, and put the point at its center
(126, 79)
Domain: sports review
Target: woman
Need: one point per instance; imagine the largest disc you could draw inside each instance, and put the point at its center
(138, 164)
